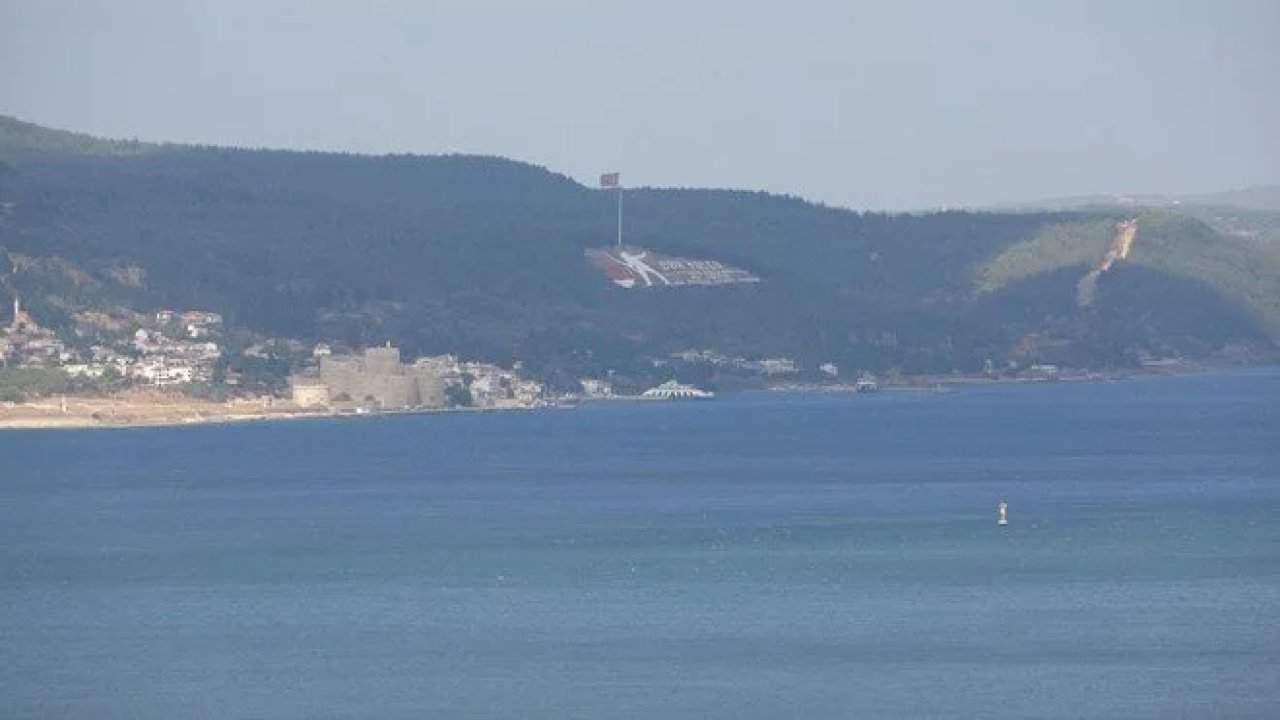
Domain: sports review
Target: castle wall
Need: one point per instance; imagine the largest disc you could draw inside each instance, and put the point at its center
(390, 391)
(378, 376)
(342, 375)
(309, 392)
(383, 361)
(431, 386)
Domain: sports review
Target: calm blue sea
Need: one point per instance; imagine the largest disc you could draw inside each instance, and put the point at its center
(760, 556)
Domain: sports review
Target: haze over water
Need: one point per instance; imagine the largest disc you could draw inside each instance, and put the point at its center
(759, 556)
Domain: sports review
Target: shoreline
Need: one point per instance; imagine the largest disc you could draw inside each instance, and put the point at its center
(26, 416)
(924, 383)
(155, 410)
(85, 413)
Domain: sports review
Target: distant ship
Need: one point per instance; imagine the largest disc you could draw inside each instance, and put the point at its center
(1002, 513)
(672, 390)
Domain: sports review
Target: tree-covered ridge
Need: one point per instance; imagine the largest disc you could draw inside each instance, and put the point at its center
(1245, 271)
(483, 257)
(17, 136)
(1249, 224)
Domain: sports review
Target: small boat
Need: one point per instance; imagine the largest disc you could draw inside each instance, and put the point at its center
(1002, 513)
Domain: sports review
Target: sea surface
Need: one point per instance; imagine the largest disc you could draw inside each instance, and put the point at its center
(759, 556)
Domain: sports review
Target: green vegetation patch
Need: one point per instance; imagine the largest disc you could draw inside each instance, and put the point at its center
(1056, 246)
(1243, 270)
(28, 383)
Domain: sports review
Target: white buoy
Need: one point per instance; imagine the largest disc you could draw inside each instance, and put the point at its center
(1002, 513)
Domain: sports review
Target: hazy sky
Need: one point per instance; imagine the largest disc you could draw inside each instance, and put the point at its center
(865, 104)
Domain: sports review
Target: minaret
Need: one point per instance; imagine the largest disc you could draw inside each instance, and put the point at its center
(22, 322)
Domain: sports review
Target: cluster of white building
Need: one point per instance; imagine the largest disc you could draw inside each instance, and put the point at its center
(493, 386)
(767, 366)
(181, 348)
(100, 361)
(159, 359)
(596, 388)
(192, 324)
(166, 361)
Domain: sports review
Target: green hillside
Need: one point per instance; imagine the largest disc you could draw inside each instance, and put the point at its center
(1244, 271)
(1071, 244)
(484, 256)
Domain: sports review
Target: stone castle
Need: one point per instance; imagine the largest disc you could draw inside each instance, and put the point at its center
(377, 377)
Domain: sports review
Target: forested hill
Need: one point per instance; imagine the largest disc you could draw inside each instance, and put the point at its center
(484, 257)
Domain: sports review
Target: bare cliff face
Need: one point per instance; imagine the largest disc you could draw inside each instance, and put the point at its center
(1119, 249)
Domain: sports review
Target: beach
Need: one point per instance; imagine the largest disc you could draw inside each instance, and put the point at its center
(144, 408)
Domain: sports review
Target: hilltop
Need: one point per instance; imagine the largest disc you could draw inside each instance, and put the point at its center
(484, 257)
(1257, 197)
(1251, 212)
(23, 138)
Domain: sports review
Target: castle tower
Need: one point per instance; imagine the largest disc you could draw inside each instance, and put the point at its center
(383, 361)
